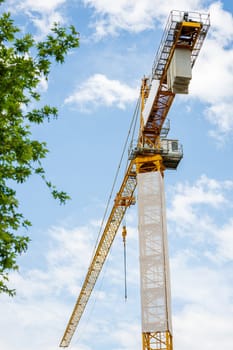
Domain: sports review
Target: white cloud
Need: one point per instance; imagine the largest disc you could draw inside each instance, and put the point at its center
(98, 90)
(186, 202)
(127, 336)
(195, 327)
(40, 309)
(73, 248)
(66, 262)
(45, 22)
(221, 24)
(204, 295)
(201, 268)
(225, 242)
(213, 74)
(42, 13)
(41, 5)
(133, 15)
(195, 281)
(220, 115)
(31, 323)
(196, 211)
(43, 84)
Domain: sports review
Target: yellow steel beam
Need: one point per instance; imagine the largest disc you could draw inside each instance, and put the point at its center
(157, 341)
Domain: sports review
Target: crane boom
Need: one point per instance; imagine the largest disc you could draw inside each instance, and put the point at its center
(186, 32)
(123, 199)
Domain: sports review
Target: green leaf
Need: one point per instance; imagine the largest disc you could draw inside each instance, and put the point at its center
(23, 62)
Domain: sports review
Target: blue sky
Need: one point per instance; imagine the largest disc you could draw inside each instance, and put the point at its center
(96, 92)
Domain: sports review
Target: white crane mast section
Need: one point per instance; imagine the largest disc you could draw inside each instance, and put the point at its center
(154, 263)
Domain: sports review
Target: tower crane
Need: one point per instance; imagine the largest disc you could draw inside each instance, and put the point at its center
(148, 158)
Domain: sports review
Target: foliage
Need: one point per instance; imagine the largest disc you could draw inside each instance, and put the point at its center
(23, 63)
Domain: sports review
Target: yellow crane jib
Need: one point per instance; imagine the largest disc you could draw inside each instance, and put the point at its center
(153, 153)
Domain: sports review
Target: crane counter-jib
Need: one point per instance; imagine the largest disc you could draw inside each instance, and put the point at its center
(171, 71)
(171, 74)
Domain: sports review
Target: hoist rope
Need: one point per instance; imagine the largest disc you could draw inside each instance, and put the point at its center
(132, 127)
(125, 271)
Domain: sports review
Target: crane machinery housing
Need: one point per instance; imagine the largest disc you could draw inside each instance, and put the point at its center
(148, 158)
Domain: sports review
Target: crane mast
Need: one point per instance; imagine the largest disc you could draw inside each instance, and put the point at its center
(148, 158)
